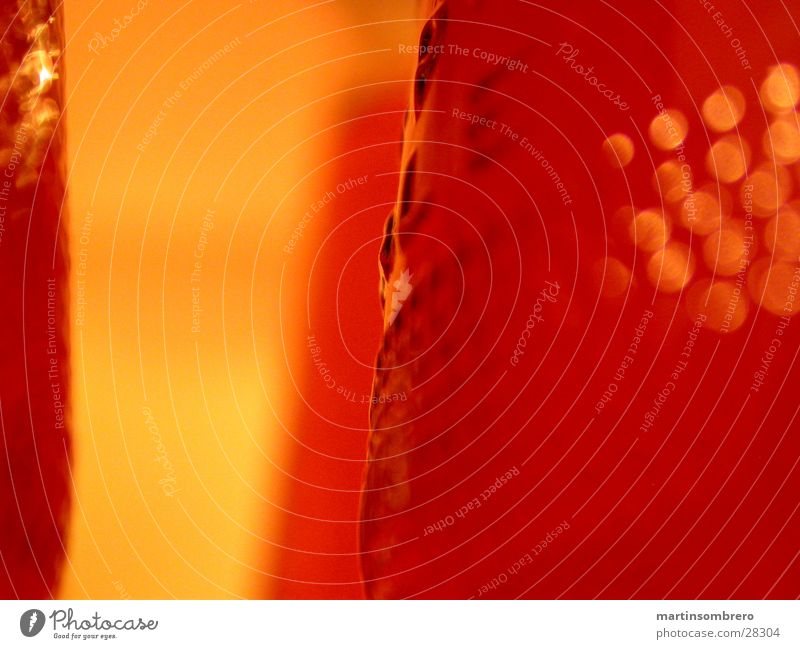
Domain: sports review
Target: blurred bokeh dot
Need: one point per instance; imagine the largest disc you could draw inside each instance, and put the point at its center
(618, 150)
(724, 251)
(701, 212)
(671, 268)
(724, 304)
(650, 230)
(724, 109)
(782, 140)
(780, 90)
(673, 180)
(728, 159)
(766, 189)
(668, 130)
(773, 286)
(782, 233)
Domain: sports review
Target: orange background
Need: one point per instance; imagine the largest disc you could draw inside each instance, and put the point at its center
(201, 469)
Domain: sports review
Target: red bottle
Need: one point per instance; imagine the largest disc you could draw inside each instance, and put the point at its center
(589, 287)
(34, 368)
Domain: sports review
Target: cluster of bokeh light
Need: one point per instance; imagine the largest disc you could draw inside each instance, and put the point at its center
(740, 225)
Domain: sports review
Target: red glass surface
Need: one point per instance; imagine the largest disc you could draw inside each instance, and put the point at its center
(34, 370)
(508, 473)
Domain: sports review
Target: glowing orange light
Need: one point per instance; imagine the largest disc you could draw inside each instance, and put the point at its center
(649, 230)
(728, 158)
(673, 181)
(701, 212)
(724, 251)
(669, 129)
(782, 233)
(780, 91)
(775, 286)
(766, 189)
(782, 140)
(724, 109)
(670, 268)
(618, 148)
(45, 75)
(724, 304)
